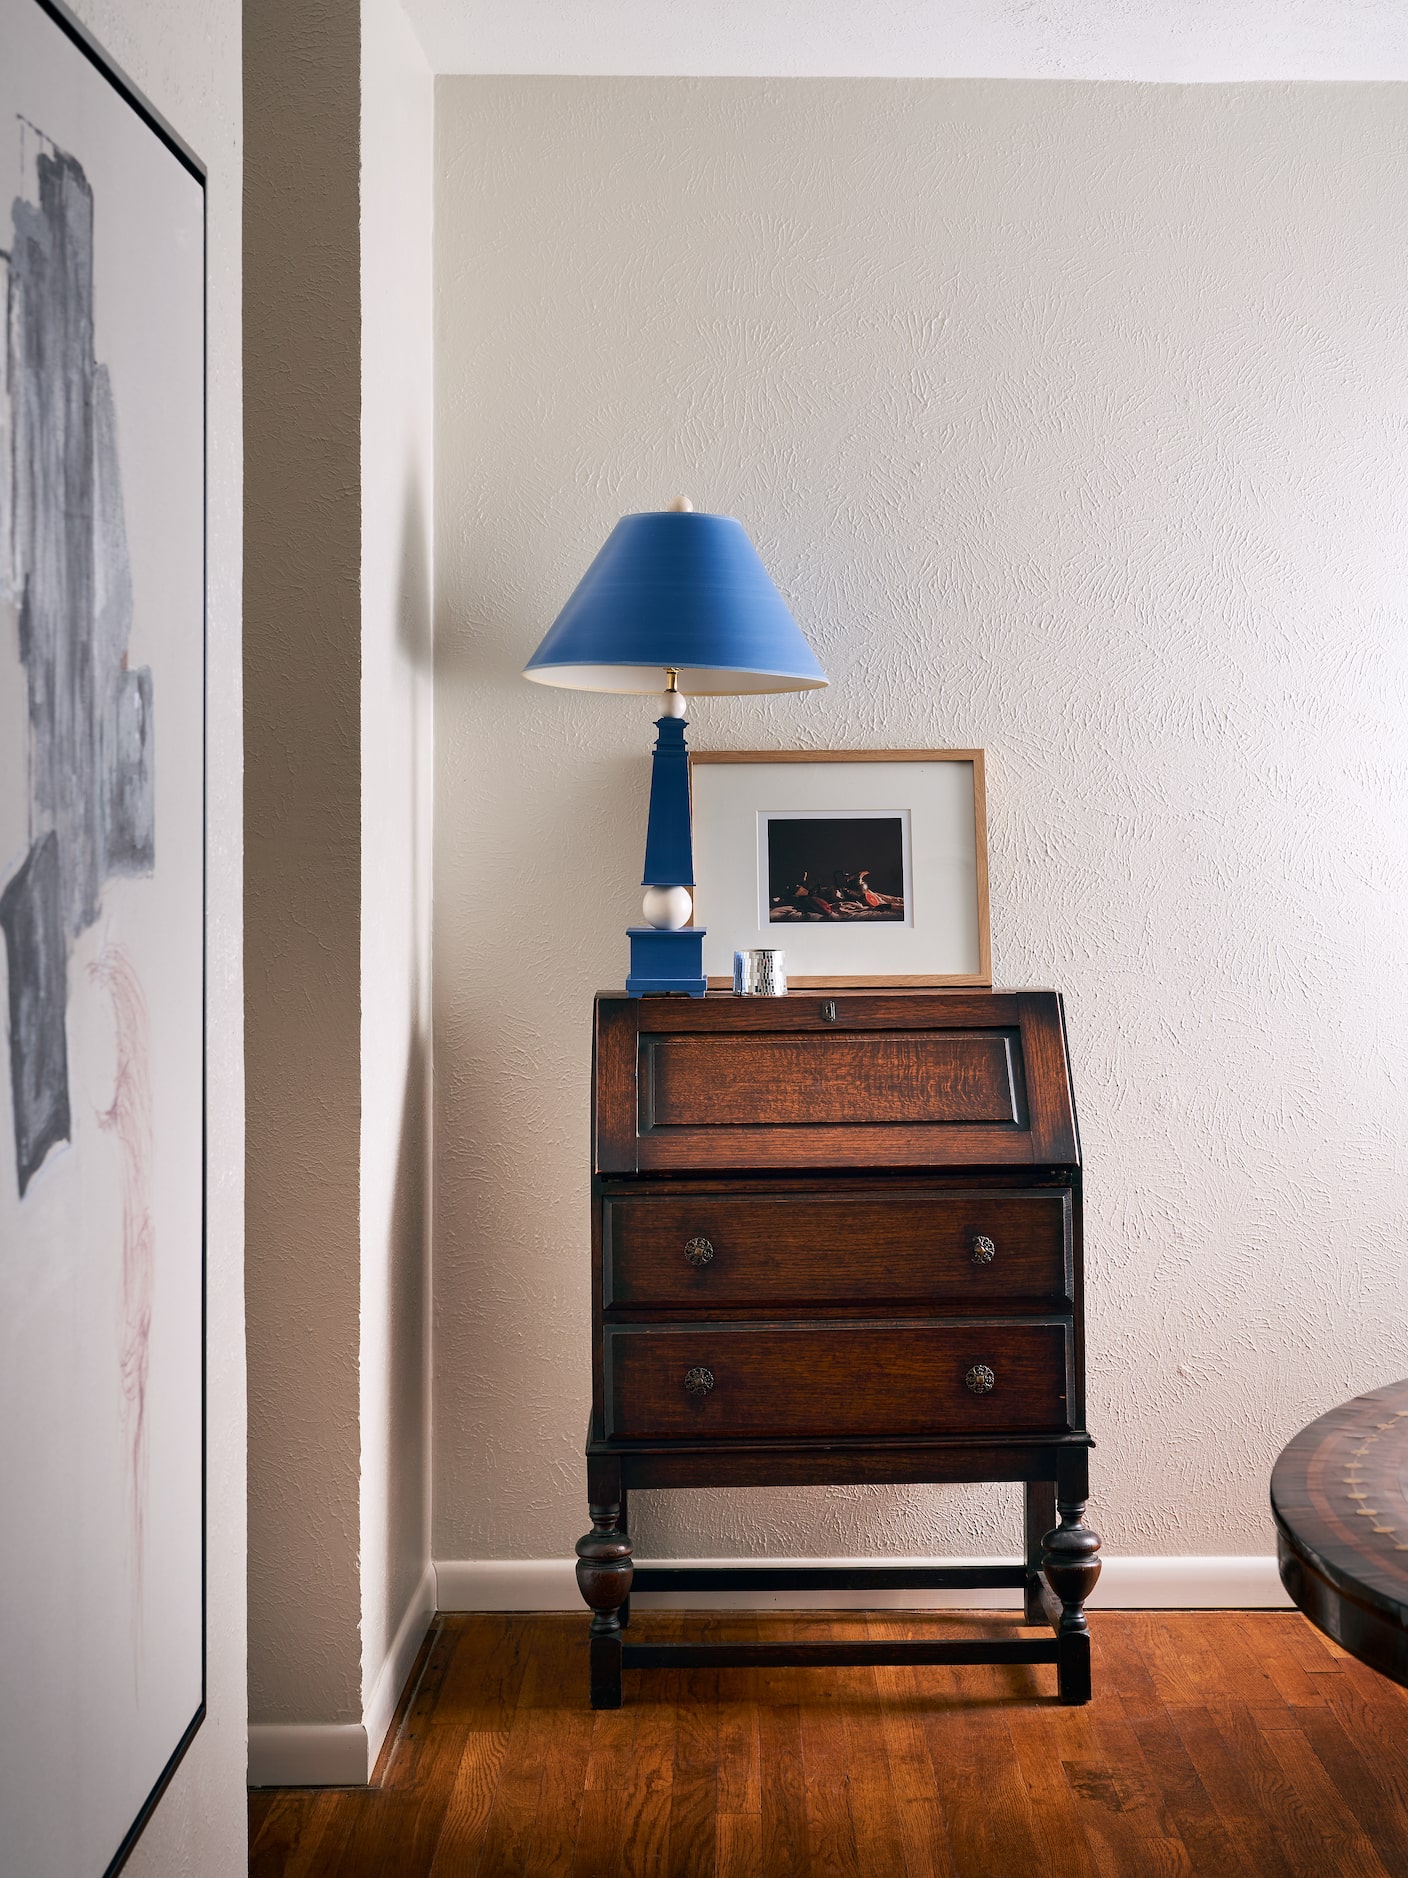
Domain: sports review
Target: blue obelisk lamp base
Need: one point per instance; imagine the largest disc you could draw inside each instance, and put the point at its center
(668, 955)
(666, 961)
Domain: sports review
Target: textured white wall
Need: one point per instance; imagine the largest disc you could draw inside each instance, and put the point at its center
(303, 887)
(1073, 420)
(397, 473)
(193, 79)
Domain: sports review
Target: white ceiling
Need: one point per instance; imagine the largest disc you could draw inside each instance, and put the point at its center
(1168, 40)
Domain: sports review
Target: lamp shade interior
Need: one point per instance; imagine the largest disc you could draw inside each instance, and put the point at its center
(676, 590)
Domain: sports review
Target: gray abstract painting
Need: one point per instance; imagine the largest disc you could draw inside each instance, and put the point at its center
(102, 833)
(90, 715)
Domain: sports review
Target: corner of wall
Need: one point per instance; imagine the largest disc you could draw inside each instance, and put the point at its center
(397, 424)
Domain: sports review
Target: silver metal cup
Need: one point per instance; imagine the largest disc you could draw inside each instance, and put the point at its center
(759, 974)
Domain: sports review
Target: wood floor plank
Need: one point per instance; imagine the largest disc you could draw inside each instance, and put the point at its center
(1117, 1658)
(598, 1849)
(1211, 1847)
(482, 1822)
(1038, 1735)
(1173, 1670)
(487, 1660)
(470, 1802)
(297, 1832)
(874, 1810)
(911, 1776)
(1218, 1745)
(555, 1824)
(831, 1841)
(1187, 1667)
(1317, 1654)
(924, 1836)
(1379, 1706)
(1380, 1806)
(1278, 1649)
(613, 1741)
(694, 1794)
(1127, 1821)
(907, 1696)
(404, 1822)
(1240, 1662)
(782, 1790)
(555, 1673)
(740, 1770)
(1322, 1818)
(740, 1846)
(649, 1805)
(554, 1838)
(975, 1774)
(1232, 1788)
(509, 1831)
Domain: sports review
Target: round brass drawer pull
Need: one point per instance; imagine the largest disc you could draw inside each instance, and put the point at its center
(980, 1379)
(699, 1382)
(698, 1251)
(984, 1251)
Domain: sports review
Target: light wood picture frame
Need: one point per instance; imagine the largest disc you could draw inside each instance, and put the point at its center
(922, 812)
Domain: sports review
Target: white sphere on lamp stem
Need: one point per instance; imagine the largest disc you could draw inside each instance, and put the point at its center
(667, 908)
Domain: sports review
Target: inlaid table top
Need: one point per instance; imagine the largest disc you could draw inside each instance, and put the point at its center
(1339, 1494)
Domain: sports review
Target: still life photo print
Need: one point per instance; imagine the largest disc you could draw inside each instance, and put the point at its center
(102, 742)
(865, 867)
(824, 866)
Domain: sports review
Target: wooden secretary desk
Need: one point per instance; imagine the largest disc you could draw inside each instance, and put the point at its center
(836, 1238)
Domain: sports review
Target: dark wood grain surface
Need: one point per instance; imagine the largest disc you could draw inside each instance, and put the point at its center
(830, 1247)
(1222, 1745)
(838, 1461)
(836, 1379)
(1339, 1494)
(812, 1081)
(888, 1079)
(837, 1238)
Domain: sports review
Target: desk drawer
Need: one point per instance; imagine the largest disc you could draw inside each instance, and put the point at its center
(1002, 1248)
(813, 1381)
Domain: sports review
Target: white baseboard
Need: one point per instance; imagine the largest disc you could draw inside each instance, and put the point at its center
(307, 1754)
(380, 1705)
(1126, 1583)
(344, 1754)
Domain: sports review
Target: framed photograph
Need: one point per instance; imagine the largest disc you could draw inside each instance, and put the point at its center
(866, 867)
(102, 950)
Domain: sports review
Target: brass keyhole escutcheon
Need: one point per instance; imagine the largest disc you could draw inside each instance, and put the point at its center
(698, 1251)
(699, 1382)
(984, 1251)
(980, 1379)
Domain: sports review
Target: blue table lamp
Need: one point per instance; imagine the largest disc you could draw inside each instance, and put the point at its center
(678, 602)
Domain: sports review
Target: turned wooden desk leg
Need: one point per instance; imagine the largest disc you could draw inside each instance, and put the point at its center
(1070, 1558)
(1040, 1518)
(604, 1579)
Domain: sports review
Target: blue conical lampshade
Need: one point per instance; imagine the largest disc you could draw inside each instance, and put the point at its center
(682, 590)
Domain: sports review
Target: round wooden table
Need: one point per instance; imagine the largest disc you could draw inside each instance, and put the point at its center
(1339, 1494)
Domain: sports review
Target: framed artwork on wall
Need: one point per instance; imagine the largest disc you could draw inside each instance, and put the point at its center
(102, 919)
(866, 867)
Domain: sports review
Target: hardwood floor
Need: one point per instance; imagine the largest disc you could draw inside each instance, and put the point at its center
(1218, 1743)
